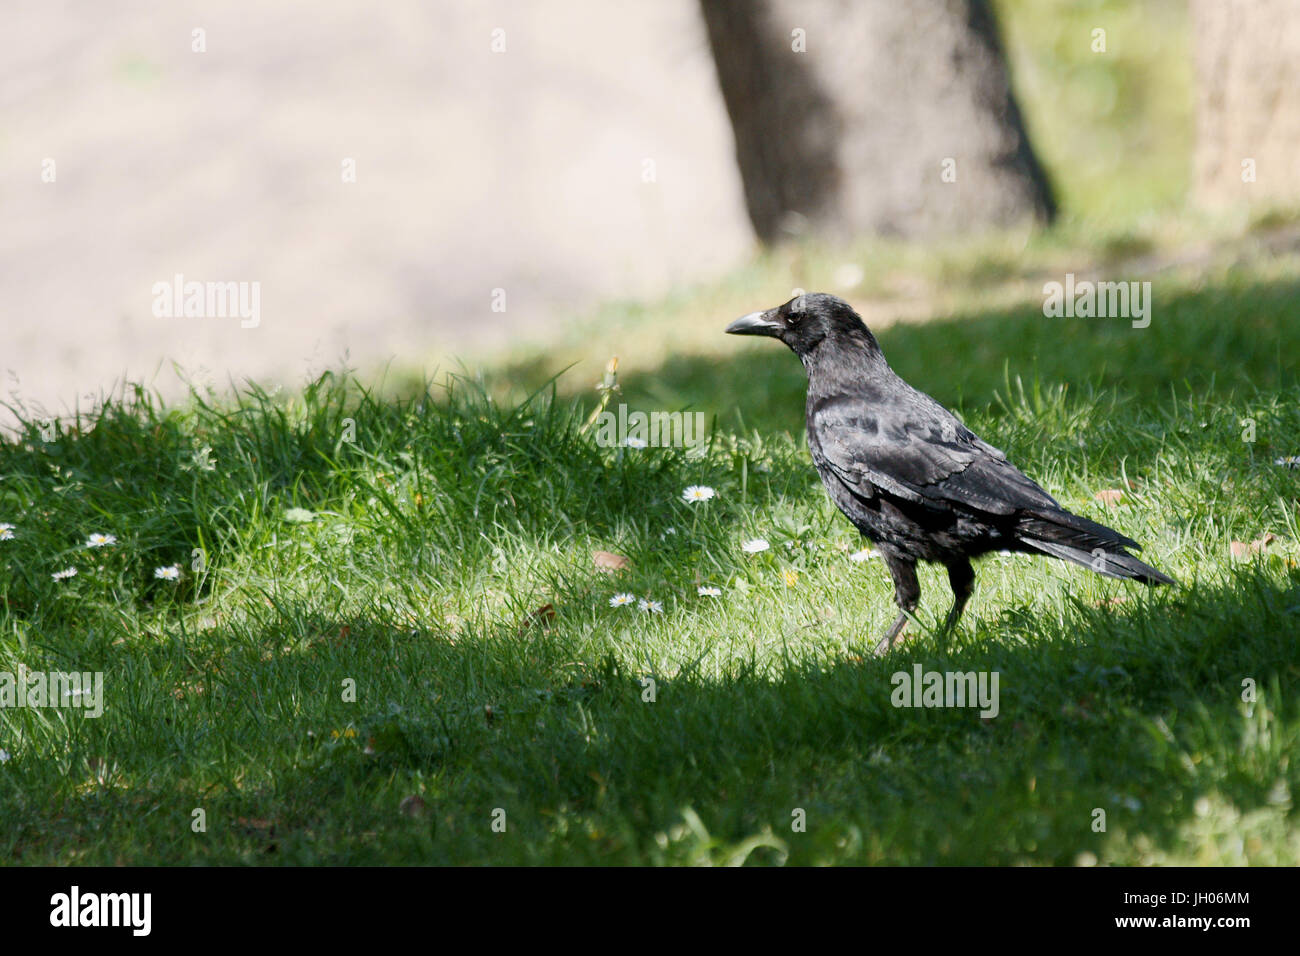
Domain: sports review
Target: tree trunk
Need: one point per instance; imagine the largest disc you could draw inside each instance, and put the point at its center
(876, 116)
(1247, 100)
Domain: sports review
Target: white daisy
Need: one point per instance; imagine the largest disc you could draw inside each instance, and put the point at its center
(634, 442)
(64, 574)
(100, 540)
(651, 607)
(705, 591)
(6, 531)
(866, 554)
(1290, 461)
(4, 756)
(755, 545)
(697, 493)
(621, 600)
(170, 573)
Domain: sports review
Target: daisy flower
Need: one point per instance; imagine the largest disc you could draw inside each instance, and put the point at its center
(170, 573)
(6, 531)
(705, 591)
(4, 756)
(866, 554)
(755, 545)
(697, 493)
(621, 600)
(64, 574)
(651, 607)
(1290, 461)
(634, 442)
(100, 540)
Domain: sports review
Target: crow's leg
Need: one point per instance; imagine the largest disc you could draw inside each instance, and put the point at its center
(962, 578)
(907, 592)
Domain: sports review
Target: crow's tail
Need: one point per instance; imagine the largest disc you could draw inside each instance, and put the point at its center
(1072, 538)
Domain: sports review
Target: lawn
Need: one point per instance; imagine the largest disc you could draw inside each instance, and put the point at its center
(389, 641)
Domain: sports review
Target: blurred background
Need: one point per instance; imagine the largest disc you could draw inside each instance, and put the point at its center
(416, 183)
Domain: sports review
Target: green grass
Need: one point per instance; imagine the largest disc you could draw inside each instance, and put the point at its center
(431, 546)
(408, 544)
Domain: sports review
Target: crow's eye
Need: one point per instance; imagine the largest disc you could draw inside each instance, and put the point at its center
(793, 318)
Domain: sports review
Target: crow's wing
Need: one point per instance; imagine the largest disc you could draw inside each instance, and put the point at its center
(909, 446)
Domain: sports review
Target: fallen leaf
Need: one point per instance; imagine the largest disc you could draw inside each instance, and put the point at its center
(1109, 496)
(256, 823)
(543, 615)
(1240, 549)
(412, 806)
(608, 562)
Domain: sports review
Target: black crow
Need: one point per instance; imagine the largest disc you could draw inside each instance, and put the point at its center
(913, 478)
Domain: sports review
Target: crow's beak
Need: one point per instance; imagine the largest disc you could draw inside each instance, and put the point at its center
(756, 323)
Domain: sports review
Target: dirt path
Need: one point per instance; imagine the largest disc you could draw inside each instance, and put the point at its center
(475, 171)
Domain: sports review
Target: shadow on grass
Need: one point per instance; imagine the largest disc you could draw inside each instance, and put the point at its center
(1136, 711)
(1140, 719)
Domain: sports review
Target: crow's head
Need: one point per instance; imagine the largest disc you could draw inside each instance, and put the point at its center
(804, 322)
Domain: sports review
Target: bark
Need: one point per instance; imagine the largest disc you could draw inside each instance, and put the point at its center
(855, 134)
(1247, 100)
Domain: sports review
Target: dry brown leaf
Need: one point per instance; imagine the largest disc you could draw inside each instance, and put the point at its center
(608, 562)
(543, 615)
(1241, 550)
(1109, 497)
